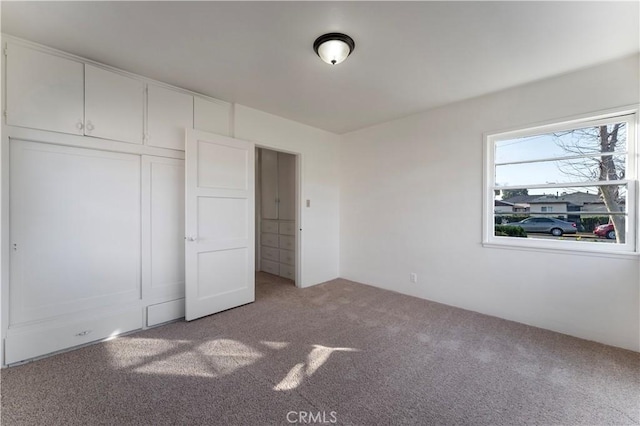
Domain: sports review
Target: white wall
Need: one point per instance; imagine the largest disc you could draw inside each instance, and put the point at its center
(319, 153)
(411, 201)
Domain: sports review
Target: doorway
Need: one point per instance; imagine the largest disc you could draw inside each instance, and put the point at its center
(277, 214)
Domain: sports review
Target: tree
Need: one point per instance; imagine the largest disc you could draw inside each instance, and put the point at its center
(510, 193)
(598, 145)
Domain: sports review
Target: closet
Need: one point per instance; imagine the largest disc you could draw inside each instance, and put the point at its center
(277, 193)
(95, 192)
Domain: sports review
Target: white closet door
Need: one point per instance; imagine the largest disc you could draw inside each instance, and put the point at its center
(44, 91)
(220, 227)
(114, 105)
(169, 112)
(163, 228)
(75, 230)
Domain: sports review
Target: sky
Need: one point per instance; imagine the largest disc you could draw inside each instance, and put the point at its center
(549, 146)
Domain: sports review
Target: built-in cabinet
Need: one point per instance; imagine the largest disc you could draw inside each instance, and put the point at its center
(169, 113)
(96, 237)
(211, 116)
(277, 213)
(54, 93)
(44, 91)
(113, 105)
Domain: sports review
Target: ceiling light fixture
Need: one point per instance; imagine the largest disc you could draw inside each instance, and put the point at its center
(333, 48)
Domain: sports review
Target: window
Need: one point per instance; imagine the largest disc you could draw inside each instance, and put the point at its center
(569, 185)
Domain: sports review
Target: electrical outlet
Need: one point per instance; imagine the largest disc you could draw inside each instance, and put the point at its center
(413, 277)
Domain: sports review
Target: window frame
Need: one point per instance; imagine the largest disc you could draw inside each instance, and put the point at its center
(631, 245)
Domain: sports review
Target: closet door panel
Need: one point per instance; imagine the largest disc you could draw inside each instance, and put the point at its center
(114, 105)
(169, 112)
(163, 227)
(75, 230)
(44, 91)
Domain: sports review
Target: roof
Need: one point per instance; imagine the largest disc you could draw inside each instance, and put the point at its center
(575, 198)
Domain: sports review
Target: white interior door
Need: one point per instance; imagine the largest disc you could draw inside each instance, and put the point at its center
(220, 228)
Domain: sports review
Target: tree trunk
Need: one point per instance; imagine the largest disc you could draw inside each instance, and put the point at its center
(609, 194)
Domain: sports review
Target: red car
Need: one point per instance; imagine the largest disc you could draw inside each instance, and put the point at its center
(606, 231)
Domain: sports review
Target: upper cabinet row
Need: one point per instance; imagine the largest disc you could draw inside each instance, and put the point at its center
(49, 92)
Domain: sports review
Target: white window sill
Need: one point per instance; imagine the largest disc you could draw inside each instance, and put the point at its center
(544, 248)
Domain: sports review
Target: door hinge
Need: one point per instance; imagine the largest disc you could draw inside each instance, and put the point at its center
(6, 51)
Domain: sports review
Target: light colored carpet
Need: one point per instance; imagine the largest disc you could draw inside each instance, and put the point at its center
(342, 350)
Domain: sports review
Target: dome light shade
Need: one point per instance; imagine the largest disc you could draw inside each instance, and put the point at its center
(334, 48)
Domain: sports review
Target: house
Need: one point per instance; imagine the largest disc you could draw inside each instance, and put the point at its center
(559, 205)
(501, 206)
(386, 146)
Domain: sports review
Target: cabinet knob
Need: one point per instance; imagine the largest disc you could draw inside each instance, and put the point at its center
(190, 238)
(79, 125)
(90, 126)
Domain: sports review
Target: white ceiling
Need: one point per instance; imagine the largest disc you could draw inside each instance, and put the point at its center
(409, 56)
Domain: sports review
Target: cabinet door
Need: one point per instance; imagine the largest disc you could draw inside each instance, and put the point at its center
(44, 91)
(286, 186)
(211, 116)
(169, 113)
(162, 228)
(269, 184)
(114, 105)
